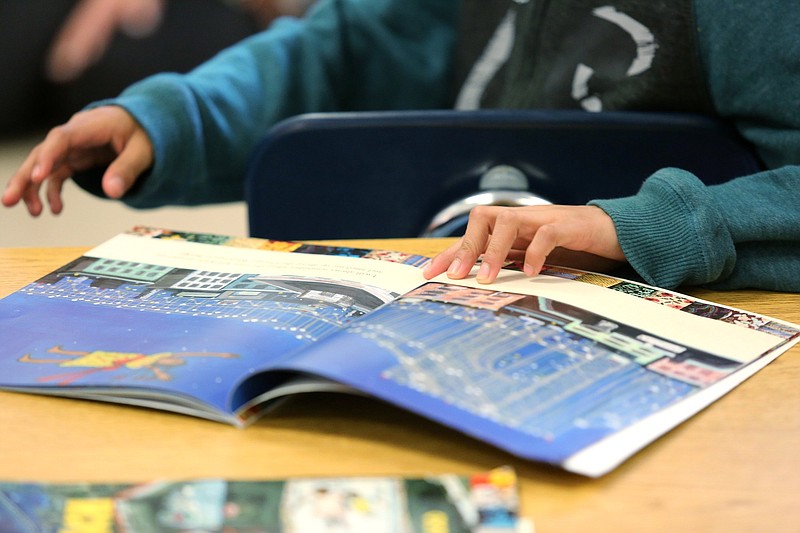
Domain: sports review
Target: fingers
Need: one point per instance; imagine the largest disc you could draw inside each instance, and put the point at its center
(131, 162)
(54, 187)
(501, 230)
(459, 258)
(25, 183)
(441, 262)
(545, 240)
(19, 183)
(102, 136)
(533, 233)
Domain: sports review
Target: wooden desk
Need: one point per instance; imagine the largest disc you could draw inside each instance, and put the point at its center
(734, 467)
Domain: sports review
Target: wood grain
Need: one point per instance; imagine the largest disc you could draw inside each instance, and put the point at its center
(733, 467)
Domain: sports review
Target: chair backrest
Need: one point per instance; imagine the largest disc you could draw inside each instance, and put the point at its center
(388, 174)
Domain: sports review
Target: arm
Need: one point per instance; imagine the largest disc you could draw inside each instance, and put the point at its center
(345, 55)
(194, 132)
(744, 233)
(676, 231)
(753, 82)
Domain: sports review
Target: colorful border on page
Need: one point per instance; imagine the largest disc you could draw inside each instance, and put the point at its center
(678, 301)
(280, 246)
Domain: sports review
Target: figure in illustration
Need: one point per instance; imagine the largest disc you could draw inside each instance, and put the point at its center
(153, 366)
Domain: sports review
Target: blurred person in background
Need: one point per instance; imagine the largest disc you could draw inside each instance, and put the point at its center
(58, 55)
(186, 139)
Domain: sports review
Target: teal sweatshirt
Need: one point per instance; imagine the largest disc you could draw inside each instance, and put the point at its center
(744, 233)
(396, 54)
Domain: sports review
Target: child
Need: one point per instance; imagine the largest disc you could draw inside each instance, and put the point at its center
(185, 139)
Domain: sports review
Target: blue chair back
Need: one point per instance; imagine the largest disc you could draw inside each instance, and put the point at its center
(387, 174)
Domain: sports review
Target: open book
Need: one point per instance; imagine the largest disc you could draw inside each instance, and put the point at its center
(484, 502)
(572, 368)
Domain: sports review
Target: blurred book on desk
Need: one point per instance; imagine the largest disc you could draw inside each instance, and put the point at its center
(484, 502)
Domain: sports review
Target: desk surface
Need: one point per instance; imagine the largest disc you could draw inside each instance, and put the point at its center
(733, 467)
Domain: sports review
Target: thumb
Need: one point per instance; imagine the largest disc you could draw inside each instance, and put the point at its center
(132, 161)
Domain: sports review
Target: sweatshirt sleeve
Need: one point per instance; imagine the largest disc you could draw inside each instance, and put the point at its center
(744, 233)
(344, 55)
(741, 234)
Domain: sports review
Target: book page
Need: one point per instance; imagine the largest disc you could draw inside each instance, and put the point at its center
(160, 318)
(393, 277)
(712, 336)
(572, 368)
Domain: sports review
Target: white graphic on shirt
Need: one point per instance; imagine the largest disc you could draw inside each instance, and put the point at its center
(492, 59)
(645, 52)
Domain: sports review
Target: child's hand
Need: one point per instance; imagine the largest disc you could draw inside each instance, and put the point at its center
(99, 137)
(580, 236)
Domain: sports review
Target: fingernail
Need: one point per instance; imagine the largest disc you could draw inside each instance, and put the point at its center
(36, 172)
(528, 269)
(454, 266)
(483, 272)
(115, 186)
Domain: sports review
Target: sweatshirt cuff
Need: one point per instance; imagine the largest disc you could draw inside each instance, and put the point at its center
(671, 231)
(169, 133)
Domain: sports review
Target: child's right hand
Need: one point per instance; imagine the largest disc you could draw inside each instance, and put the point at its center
(567, 235)
(104, 136)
